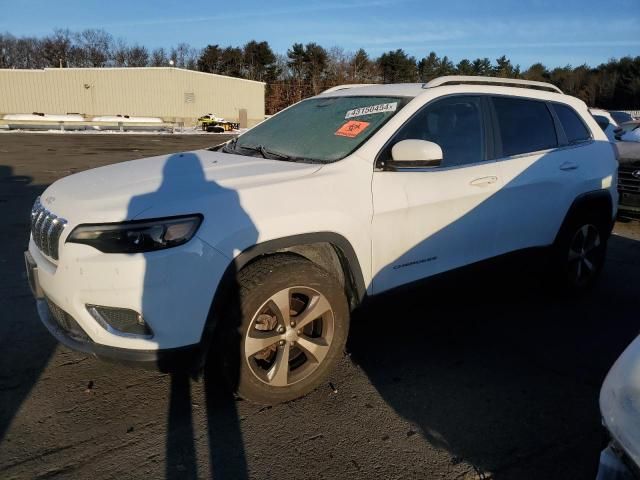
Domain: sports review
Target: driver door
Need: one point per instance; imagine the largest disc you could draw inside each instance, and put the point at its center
(430, 220)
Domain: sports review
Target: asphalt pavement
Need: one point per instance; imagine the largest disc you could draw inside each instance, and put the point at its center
(480, 374)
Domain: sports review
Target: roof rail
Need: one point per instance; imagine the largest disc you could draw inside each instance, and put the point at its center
(511, 82)
(347, 86)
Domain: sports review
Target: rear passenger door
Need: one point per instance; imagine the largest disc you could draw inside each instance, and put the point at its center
(537, 174)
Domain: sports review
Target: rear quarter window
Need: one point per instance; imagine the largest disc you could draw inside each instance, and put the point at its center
(573, 126)
(525, 125)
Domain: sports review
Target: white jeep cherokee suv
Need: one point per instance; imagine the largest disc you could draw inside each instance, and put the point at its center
(257, 250)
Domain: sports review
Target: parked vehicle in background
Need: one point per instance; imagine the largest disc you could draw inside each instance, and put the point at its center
(629, 180)
(606, 122)
(621, 117)
(620, 410)
(211, 123)
(256, 251)
(629, 132)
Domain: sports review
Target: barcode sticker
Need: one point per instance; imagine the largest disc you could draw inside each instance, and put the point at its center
(380, 108)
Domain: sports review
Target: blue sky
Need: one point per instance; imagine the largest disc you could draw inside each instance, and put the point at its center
(556, 32)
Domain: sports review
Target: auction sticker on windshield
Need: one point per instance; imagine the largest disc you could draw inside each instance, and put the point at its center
(352, 129)
(380, 108)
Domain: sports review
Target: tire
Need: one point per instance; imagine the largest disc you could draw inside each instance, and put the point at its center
(579, 252)
(271, 355)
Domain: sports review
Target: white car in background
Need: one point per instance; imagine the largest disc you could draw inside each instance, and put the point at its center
(621, 117)
(256, 251)
(609, 126)
(620, 409)
(632, 135)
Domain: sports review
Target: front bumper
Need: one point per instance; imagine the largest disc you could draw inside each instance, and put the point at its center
(172, 289)
(70, 334)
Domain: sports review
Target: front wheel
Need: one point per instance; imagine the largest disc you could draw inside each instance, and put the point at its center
(292, 329)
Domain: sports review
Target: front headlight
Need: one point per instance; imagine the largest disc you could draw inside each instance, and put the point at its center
(138, 235)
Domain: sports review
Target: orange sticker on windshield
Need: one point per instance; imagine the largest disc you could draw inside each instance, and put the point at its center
(352, 129)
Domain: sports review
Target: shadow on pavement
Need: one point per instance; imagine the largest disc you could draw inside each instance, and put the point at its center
(25, 345)
(483, 362)
(183, 178)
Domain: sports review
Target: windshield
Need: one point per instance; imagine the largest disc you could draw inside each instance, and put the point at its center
(318, 129)
(621, 117)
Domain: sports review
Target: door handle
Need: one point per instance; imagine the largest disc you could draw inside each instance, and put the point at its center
(569, 166)
(483, 181)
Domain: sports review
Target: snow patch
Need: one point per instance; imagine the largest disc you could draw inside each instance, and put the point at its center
(116, 118)
(43, 118)
(186, 131)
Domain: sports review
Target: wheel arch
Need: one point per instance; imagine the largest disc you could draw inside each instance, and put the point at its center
(329, 250)
(599, 201)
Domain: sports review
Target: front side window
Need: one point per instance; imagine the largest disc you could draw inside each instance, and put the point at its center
(574, 127)
(319, 129)
(525, 125)
(454, 123)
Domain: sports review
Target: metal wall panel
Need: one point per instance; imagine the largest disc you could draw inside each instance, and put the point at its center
(157, 92)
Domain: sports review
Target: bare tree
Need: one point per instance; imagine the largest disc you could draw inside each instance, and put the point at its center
(26, 53)
(159, 58)
(95, 47)
(7, 42)
(137, 56)
(57, 49)
(184, 56)
(338, 66)
(119, 53)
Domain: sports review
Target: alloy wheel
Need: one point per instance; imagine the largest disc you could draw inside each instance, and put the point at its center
(584, 255)
(289, 336)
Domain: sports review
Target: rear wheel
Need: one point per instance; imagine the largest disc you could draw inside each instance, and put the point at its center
(586, 255)
(292, 330)
(579, 252)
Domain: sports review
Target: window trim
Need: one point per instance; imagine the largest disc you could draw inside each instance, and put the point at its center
(488, 140)
(552, 106)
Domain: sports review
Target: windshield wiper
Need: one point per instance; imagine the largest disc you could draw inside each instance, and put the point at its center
(265, 152)
(230, 147)
(233, 147)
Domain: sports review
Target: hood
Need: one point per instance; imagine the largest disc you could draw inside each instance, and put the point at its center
(175, 183)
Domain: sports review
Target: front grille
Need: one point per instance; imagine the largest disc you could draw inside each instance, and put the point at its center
(46, 229)
(67, 323)
(627, 181)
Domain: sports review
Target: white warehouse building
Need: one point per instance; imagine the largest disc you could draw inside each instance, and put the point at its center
(173, 94)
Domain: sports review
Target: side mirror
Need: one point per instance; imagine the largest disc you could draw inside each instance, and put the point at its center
(416, 153)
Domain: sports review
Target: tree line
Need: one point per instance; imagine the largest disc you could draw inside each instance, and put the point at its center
(308, 69)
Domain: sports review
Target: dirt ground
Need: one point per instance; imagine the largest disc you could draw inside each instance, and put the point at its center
(478, 375)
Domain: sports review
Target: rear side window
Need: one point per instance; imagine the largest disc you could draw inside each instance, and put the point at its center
(573, 127)
(525, 125)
